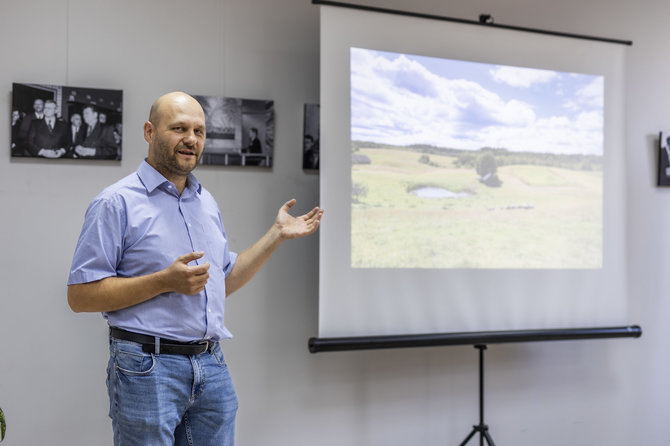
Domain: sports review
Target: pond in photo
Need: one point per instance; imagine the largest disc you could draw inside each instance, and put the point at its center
(437, 192)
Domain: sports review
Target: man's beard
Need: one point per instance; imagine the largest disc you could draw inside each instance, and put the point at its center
(168, 161)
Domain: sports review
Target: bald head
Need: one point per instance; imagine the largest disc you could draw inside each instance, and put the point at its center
(170, 102)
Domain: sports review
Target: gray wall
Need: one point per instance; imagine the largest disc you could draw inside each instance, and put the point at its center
(52, 362)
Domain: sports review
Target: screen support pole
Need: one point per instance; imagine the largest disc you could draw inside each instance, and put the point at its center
(482, 428)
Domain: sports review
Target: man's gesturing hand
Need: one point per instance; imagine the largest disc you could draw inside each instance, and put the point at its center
(285, 227)
(293, 227)
(185, 279)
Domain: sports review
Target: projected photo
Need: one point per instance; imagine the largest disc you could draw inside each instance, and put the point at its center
(458, 164)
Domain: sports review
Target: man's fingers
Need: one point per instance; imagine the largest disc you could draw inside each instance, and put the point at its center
(313, 213)
(199, 269)
(195, 279)
(289, 204)
(186, 258)
(186, 279)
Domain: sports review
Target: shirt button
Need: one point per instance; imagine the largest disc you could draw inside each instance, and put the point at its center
(209, 309)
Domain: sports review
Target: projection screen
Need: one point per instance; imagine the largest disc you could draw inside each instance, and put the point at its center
(473, 178)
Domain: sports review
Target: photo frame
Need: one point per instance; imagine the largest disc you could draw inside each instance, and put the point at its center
(311, 137)
(239, 132)
(663, 177)
(55, 121)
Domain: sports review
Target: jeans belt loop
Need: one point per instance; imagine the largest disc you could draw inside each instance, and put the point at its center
(157, 346)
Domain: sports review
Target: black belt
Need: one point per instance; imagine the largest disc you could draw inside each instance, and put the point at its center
(151, 344)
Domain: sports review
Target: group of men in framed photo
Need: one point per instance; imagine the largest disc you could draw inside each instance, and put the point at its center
(43, 133)
(51, 121)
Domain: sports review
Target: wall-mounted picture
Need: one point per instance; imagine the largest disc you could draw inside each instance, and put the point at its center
(664, 159)
(311, 131)
(53, 121)
(240, 132)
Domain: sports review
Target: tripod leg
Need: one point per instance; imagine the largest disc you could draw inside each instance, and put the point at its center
(489, 440)
(472, 434)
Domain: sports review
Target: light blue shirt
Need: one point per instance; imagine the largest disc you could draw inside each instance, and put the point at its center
(140, 225)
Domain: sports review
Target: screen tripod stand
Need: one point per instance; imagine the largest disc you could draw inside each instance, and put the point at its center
(482, 428)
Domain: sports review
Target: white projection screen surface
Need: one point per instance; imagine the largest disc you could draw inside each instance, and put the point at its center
(472, 176)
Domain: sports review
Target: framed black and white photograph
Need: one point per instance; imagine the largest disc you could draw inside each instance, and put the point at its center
(240, 132)
(311, 131)
(53, 121)
(664, 159)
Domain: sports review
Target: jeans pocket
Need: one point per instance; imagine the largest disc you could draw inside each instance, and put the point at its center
(218, 355)
(134, 363)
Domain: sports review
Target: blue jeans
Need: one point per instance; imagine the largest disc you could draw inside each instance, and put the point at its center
(162, 400)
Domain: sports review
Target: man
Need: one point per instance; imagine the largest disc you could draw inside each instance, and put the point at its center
(254, 148)
(73, 135)
(153, 256)
(254, 143)
(17, 150)
(96, 140)
(310, 159)
(37, 113)
(48, 136)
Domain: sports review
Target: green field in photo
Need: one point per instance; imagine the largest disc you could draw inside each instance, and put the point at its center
(541, 216)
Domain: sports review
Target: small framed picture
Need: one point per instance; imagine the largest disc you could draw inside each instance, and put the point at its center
(664, 159)
(311, 131)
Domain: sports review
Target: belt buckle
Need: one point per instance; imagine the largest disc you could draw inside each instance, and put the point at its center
(204, 343)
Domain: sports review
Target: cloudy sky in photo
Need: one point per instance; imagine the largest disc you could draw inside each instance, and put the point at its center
(404, 99)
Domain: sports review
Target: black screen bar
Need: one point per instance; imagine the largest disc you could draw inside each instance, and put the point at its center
(317, 345)
(470, 22)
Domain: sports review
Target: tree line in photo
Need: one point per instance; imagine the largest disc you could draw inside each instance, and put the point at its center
(501, 157)
(486, 160)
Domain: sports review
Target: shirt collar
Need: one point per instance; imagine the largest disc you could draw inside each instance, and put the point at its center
(151, 178)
